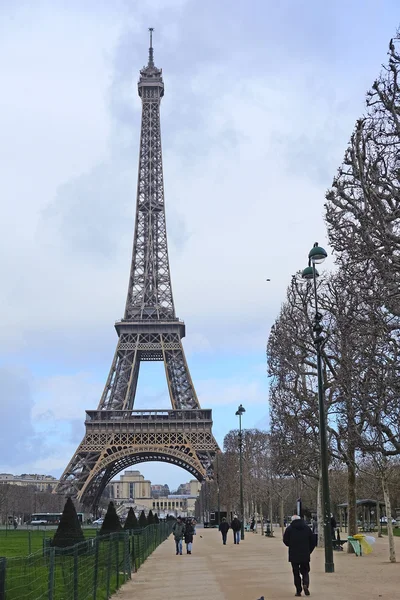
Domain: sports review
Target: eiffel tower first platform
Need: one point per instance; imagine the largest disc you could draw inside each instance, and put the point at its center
(117, 436)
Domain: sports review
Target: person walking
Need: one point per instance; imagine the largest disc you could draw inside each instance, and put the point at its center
(333, 526)
(224, 528)
(301, 542)
(189, 533)
(252, 524)
(178, 530)
(315, 529)
(236, 527)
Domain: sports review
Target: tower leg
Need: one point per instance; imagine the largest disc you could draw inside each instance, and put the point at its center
(180, 384)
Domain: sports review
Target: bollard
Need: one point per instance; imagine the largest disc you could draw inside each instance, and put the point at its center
(3, 565)
(117, 558)
(96, 567)
(109, 566)
(52, 553)
(133, 552)
(76, 567)
(127, 558)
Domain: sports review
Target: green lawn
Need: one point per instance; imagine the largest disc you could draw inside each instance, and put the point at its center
(21, 542)
(103, 563)
(396, 531)
(75, 576)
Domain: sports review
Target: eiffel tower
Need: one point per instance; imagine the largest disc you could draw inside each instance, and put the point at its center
(117, 436)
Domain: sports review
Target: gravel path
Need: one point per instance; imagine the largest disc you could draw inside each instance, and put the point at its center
(258, 567)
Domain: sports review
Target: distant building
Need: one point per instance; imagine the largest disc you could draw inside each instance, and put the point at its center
(158, 490)
(191, 488)
(132, 489)
(42, 483)
(131, 486)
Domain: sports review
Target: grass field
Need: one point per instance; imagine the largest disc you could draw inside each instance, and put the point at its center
(74, 572)
(21, 542)
(396, 531)
(101, 563)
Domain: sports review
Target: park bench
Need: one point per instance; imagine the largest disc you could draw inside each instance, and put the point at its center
(367, 528)
(338, 544)
(268, 532)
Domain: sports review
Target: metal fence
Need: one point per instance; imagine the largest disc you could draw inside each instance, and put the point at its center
(91, 570)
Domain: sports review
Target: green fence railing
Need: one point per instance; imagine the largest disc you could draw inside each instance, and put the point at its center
(91, 570)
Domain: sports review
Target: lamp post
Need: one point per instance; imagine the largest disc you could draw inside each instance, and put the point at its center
(239, 413)
(316, 256)
(218, 498)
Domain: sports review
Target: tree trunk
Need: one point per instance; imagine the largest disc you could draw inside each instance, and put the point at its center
(386, 497)
(271, 514)
(320, 516)
(282, 515)
(351, 496)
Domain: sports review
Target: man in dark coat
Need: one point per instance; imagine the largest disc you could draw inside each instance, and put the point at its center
(333, 526)
(301, 542)
(236, 527)
(224, 528)
(178, 530)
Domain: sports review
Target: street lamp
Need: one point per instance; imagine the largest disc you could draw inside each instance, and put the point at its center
(316, 256)
(239, 413)
(218, 497)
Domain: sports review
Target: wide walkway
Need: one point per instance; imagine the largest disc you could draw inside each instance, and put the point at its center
(258, 567)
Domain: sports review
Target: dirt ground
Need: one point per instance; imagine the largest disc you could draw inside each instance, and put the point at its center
(258, 567)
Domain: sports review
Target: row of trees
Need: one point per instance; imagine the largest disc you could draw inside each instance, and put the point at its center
(69, 531)
(360, 303)
(22, 501)
(276, 474)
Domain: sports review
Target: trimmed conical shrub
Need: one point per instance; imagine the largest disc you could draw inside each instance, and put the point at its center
(111, 521)
(69, 531)
(150, 518)
(142, 520)
(156, 519)
(131, 520)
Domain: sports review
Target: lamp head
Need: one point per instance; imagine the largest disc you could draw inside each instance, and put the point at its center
(240, 410)
(317, 254)
(308, 273)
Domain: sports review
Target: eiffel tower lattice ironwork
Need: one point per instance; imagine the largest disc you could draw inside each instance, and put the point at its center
(117, 436)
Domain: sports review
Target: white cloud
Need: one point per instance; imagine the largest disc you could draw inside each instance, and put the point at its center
(255, 119)
(66, 397)
(232, 391)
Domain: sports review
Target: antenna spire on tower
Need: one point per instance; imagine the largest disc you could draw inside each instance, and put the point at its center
(151, 57)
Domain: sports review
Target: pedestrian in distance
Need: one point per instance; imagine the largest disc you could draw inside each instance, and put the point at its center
(224, 528)
(189, 533)
(333, 526)
(315, 529)
(236, 527)
(252, 524)
(178, 531)
(301, 542)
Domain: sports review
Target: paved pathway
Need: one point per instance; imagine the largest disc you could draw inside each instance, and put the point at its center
(257, 567)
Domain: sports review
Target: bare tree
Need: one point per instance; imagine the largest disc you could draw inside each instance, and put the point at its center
(362, 207)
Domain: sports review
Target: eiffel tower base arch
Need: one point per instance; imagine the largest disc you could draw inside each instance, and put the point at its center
(115, 440)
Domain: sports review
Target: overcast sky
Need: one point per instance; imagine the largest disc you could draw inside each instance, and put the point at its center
(260, 100)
